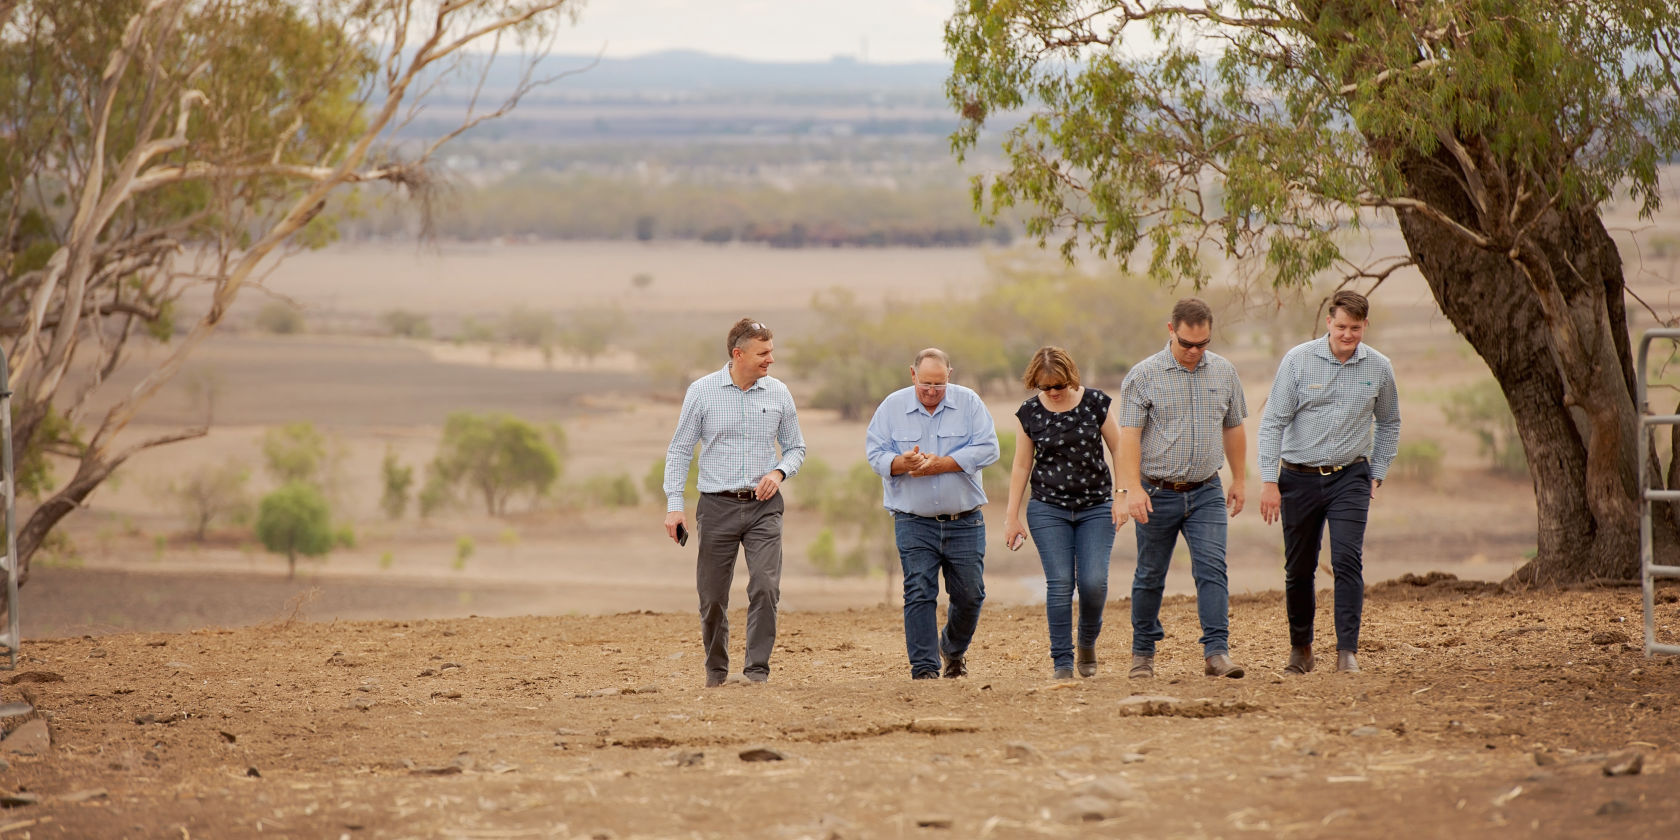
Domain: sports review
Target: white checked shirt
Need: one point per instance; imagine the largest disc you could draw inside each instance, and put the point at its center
(738, 432)
(1325, 413)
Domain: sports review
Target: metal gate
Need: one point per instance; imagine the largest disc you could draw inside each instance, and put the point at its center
(1649, 571)
(11, 637)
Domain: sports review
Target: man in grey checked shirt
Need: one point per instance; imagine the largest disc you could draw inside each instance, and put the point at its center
(1181, 412)
(740, 416)
(1332, 423)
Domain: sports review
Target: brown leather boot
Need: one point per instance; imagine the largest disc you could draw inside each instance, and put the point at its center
(1300, 661)
(1086, 660)
(1143, 667)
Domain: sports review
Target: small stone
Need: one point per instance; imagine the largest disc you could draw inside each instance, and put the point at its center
(36, 677)
(18, 800)
(1112, 788)
(97, 653)
(15, 709)
(85, 795)
(1146, 699)
(32, 738)
(1613, 808)
(252, 772)
(179, 666)
(1366, 732)
(1020, 751)
(690, 759)
(1089, 809)
(1542, 759)
(427, 673)
(445, 770)
(1130, 758)
(935, 821)
(1609, 637)
(761, 754)
(228, 736)
(1624, 763)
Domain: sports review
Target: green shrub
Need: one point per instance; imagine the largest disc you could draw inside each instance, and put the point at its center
(280, 318)
(612, 491)
(295, 520)
(1418, 461)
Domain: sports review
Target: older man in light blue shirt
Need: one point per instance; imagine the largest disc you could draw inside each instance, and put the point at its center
(929, 442)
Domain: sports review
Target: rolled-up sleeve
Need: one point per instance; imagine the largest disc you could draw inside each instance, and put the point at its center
(878, 441)
(981, 450)
(791, 439)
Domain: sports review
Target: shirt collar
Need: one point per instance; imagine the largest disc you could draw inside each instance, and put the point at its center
(1173, 360)
(916, 402)
(729, 381)
(1323, 349)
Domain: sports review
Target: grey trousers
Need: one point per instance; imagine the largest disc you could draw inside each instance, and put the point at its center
(722, 523)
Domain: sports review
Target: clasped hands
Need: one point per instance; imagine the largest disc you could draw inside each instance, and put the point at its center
(920, 463)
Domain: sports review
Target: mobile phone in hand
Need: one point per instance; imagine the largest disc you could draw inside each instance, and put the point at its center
(1015, 544)
(682, 534)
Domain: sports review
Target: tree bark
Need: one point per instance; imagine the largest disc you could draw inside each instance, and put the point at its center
(1567, 373)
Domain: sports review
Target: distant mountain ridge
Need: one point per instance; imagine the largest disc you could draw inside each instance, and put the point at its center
(689, 71)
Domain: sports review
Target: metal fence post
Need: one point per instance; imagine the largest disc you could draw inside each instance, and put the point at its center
(12, 637)
(1649, 571)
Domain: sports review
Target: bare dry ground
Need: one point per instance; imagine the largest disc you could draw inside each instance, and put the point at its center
(1479, 715)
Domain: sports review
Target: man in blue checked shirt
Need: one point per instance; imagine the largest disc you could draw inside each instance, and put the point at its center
(1181, 413)
(928, 442)
(1330, 429)
(748, 432)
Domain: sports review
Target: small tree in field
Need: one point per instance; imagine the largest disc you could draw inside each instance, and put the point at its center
(495, 456)
(294, 520)
(398, 478)
(295, 452)
(210, 493)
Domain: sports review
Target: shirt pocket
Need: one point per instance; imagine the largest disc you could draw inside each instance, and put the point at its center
(1312, 395)
(1212, 404)
(765, 420)
(1359, 394)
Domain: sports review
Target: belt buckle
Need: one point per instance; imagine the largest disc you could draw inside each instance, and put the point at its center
(1327, 470)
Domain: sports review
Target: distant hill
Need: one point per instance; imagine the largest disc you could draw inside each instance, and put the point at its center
(691, 72)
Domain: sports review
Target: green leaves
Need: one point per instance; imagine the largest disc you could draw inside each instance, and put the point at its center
(1249, 130)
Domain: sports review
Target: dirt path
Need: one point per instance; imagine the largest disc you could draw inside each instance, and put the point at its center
(1478, 716)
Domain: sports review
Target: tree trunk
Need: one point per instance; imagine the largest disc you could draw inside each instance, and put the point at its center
(1573, 401)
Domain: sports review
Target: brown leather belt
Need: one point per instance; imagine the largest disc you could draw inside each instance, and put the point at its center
(1177, 486)
(1305, 468)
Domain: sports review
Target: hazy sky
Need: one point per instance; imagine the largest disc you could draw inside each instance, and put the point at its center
(778, 30)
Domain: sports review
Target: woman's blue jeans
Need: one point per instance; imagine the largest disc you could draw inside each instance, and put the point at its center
(1073, 546)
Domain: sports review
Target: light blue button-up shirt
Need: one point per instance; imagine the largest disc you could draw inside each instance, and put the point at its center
(1325, 413)
(739, 432)
(960, 427)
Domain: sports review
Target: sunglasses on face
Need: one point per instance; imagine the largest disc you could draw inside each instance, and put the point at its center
(1060, 387)
(1193, 345)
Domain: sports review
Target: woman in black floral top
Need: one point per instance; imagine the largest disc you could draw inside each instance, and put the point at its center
(1072, 511)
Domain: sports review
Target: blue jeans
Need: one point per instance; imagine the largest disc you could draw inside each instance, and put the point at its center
(1199, 515)
(925, 547)
(1073, 546)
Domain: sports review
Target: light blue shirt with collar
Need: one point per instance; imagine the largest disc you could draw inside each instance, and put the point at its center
(742, 435)
(960, 426)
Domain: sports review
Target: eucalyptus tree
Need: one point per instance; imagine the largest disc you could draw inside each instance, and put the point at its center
(1493, 132)
(157, 147)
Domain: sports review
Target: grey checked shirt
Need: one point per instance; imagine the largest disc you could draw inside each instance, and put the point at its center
(739, 432)
(1183, 413)
(1325, 413)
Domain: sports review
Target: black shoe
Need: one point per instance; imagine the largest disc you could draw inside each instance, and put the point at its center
(955, 666)
(925, 675)
(715, 680)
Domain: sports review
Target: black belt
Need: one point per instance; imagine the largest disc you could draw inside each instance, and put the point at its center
(1305, 468)
(739, 495)
(1178, 486)
(946, 517)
